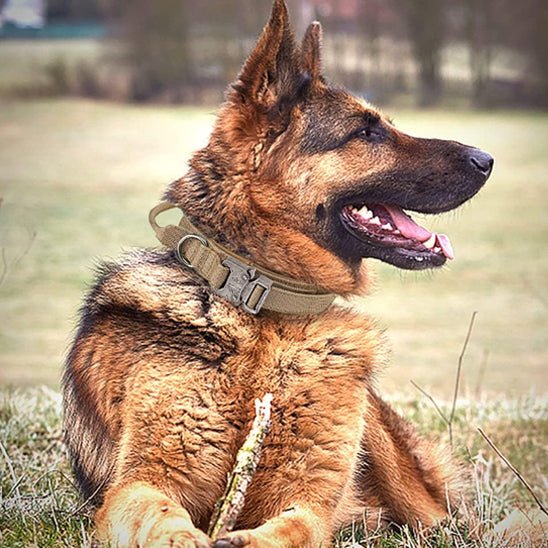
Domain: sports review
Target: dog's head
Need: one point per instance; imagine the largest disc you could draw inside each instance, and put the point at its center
(329, 171)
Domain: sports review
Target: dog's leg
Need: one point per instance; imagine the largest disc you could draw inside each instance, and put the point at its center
(403, 479)
(137, 514)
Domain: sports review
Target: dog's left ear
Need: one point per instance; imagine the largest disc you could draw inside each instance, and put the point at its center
(271, 78)
(311, 52)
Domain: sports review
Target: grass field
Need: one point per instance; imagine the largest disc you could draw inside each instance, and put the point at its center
(77, 179)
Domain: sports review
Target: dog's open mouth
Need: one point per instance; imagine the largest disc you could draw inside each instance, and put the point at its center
(389, 227)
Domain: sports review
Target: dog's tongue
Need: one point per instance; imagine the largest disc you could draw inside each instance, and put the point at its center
(410, 229)
(445, 244)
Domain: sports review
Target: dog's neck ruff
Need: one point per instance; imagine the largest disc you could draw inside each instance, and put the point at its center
(252, 287)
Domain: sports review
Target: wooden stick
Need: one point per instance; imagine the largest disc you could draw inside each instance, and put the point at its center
(431, 398)
(230, 505)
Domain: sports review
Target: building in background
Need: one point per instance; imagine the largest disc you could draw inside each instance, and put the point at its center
(24, 14)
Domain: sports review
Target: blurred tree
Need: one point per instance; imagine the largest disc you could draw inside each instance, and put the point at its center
(480, 27)
(181, 50)
(524, 26)
(368, 42)
(74, 9)
(539, 45)
(156, 36)
(508, 26)
(425, 21)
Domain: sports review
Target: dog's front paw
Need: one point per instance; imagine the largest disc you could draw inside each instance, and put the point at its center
(176, 533)
(236, 539)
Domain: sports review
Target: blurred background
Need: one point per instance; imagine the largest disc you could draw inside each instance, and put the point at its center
(102, 103)
(481, 53)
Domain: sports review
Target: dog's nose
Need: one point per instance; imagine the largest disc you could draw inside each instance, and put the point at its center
(482, 161)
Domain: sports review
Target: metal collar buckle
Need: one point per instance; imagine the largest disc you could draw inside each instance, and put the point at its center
(241, 284)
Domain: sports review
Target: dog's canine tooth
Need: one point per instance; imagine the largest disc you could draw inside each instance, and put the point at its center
(366, 213)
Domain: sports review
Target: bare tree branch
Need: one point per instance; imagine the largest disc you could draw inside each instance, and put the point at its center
(458, 377)
(4, 271)
(449, 421)
(438, 409)
(32, 237)
(4, 267)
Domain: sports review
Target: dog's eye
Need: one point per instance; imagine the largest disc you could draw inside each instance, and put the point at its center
(368, 133)
(365, 133)
(371, 133)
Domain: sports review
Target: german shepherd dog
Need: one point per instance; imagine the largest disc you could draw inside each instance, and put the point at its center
(305, 180)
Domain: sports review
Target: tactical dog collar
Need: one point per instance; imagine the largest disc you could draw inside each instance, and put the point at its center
(249, 286)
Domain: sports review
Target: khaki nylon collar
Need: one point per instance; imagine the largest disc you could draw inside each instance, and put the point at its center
(251, 287)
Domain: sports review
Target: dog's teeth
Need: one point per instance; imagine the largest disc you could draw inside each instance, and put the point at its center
(431, 242)
(375, 221)
(397, 231)
(366, 213)
(437, 249)
(387, 226)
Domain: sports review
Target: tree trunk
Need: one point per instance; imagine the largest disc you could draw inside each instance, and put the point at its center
(480, 44)
(426, 26)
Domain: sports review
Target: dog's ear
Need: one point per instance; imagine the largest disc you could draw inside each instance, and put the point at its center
(311, 52)
(271, 75)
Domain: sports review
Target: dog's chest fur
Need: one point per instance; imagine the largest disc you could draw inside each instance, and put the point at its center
(192, 365)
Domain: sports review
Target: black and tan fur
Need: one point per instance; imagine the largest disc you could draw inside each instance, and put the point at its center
(160, 382)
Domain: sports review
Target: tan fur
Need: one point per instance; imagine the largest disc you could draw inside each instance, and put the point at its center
(161, 380)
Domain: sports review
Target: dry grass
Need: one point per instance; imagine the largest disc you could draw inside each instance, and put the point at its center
(39, 505)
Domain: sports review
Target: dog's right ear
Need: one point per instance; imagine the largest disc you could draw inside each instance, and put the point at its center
(270, 71)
